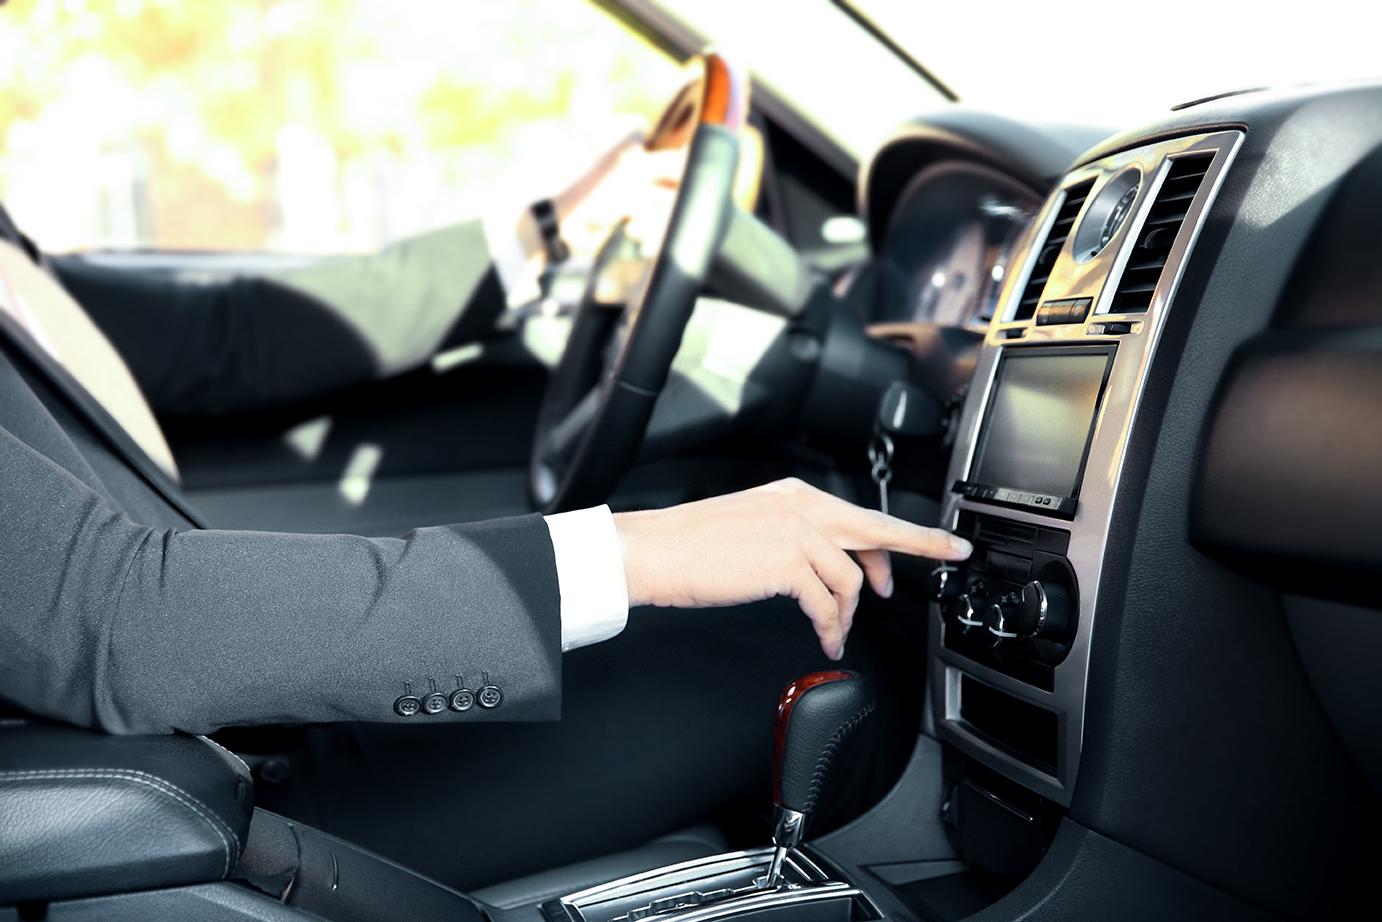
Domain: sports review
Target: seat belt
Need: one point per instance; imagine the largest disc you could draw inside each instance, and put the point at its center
(44, 309)
(10, 233)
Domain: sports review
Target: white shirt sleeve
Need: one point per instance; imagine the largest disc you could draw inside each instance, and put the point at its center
(590, 575)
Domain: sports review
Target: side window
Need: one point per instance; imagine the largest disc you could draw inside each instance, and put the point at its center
(311, 126)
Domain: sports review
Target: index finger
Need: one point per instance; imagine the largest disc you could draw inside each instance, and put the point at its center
(857, 529)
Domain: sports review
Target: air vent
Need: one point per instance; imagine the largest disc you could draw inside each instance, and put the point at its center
(1167, 214)
(1046, 258)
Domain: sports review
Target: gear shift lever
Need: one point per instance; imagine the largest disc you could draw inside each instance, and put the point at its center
(816, 715)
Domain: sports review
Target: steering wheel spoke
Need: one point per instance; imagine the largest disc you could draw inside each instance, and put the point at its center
(585, 443)
(562, 437)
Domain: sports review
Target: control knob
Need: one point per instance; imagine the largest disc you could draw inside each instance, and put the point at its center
(1044, 611)
(968, 609)
(1001, 619)
(946, 582)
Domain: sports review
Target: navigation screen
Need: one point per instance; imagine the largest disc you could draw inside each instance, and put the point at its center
(1040, 420)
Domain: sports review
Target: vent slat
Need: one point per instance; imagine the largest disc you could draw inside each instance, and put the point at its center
(1159, 232)
(1175, 217)
(1049, 249)
(1159, 214)
(1144, 288)
(1185, 196)
(1155, 262)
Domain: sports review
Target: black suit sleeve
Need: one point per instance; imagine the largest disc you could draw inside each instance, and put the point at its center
(108, 623)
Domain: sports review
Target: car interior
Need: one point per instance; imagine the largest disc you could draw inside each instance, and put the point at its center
(1141, 373)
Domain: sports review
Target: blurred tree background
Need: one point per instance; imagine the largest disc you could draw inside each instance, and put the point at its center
(311, 126)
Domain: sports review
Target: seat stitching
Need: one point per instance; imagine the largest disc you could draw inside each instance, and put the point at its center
(234, 755)
(222, 830)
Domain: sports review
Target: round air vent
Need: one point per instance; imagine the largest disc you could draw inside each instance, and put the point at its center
(1106, 214)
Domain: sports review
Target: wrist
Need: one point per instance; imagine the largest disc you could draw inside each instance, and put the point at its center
(634, 530)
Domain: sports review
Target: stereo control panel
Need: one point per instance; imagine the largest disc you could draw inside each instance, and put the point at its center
(1040, 449)
(1013, 607)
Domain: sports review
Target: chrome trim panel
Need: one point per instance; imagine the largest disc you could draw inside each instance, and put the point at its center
(1097, 280)
(728, 885)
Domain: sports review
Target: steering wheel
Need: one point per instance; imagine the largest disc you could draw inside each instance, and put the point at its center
(601, 394)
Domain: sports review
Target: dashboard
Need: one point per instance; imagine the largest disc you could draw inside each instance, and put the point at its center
(1041, 448)
(1160, 457)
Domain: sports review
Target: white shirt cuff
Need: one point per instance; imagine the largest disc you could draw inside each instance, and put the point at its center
(590, 574)
(517, 269)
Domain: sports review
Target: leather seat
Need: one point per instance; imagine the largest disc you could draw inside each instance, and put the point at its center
(83, 813)
(86, 814)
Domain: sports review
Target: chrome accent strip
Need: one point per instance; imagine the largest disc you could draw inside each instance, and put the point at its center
(814, 885)
(1046, 219)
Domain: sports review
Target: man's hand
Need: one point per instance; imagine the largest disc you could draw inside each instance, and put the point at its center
(785, 538)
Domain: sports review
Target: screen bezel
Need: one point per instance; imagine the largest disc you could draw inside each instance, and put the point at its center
(1108, 350)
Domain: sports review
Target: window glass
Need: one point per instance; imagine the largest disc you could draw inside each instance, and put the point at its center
(314, 126)
(1122, 64)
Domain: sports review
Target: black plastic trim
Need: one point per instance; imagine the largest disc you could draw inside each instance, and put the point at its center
(1287, 487)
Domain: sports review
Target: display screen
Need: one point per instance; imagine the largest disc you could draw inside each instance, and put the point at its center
(1040, 419)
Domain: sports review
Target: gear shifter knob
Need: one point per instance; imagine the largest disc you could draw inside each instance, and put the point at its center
(816, 716)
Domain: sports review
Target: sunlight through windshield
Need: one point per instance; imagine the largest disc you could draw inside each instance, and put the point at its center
(309, 126)
(1122, 64)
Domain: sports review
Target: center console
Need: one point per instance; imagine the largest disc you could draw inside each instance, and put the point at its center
(1040, 452)
(1038, 462)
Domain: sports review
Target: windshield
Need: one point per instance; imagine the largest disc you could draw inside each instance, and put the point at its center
(304, 126)
(1120, 65)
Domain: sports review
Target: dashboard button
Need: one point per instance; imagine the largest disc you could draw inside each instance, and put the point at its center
(1044, 611)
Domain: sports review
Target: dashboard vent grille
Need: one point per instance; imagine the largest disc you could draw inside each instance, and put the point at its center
(1046, 258)
(1164, 220)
